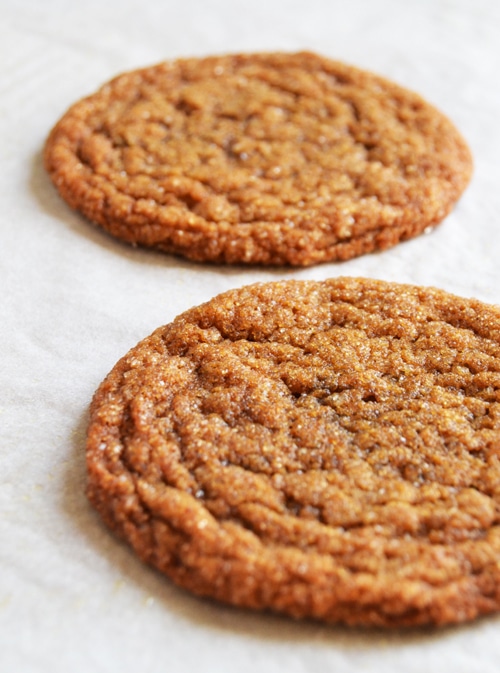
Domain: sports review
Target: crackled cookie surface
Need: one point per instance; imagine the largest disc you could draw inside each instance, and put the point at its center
(258, 158)
(321, 449)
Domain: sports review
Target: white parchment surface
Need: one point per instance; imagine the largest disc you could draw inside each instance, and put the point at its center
(73, 301)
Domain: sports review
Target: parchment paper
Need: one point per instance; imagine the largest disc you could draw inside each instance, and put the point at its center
(73, 301)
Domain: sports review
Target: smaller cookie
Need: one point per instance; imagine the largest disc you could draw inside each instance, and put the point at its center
(320, 449)
(258, 158)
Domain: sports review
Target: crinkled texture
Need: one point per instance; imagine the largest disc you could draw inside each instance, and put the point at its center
(258, 158)
(321, 449)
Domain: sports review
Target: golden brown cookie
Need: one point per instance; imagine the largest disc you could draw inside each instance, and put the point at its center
(321, 449)
(258, 158)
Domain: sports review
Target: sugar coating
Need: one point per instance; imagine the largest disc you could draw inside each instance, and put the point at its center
(321, 449)
(258, 158)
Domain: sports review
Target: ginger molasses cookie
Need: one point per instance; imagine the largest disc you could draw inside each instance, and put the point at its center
(321, 449)
(273, 158)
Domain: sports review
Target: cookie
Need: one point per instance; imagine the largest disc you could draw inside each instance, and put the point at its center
(273, 159)
(320, 449)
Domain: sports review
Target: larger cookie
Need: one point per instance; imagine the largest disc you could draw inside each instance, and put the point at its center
(258, 158)
(321, 449)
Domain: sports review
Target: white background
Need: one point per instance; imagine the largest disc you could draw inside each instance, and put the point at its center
(73, 301)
